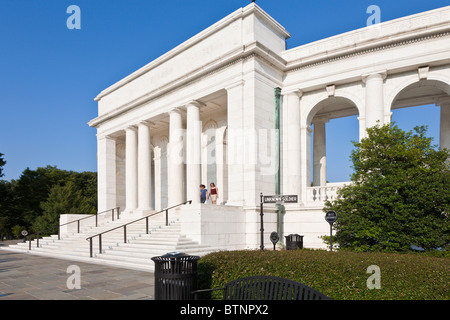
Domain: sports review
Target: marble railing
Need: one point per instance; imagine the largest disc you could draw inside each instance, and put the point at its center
(317, 195)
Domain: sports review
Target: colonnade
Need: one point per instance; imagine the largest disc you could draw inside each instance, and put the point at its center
(302, 120)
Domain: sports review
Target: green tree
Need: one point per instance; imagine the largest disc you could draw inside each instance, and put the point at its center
(400, 195)
(63, 199)
(2, 163)
(33, 187)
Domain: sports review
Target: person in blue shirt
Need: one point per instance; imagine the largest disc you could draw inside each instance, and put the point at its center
(203, 193)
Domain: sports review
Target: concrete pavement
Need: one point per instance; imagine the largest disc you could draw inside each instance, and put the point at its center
(32, 277)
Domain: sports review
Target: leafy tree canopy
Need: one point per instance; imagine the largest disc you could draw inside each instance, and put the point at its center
(400, 195)
(2, 163)
(26, 201)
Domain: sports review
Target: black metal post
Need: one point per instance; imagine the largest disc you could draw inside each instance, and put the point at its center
(100, 243)
(167, 218)
(262, 223)
(59, 232)
(96, 219)
(112, 214)
(37, 240)
(331, 237)
(78, 226)
(124, 234)
(29, 242)
(146, 225)
(90, 247)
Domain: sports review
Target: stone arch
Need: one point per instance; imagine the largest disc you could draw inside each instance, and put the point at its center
(341, 102)
(428, 92)
(422, 92)
(323, 109)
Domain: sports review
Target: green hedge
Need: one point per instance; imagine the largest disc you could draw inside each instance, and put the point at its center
(340, 275)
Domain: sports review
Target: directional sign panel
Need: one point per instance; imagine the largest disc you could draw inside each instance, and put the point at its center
(281, 198)
(331, 217)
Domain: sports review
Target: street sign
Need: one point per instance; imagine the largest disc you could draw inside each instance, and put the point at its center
(331, 217)
(281, 198)
(24, 233)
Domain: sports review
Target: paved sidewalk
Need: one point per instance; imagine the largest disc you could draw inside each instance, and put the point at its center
(32, 277)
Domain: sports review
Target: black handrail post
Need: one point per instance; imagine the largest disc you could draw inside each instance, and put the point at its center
(118, 213)
(100, 243)
(59, 232)
(29, 242)
(96, 220)
(167, 217)
(112, 212)
(125, 234)
(146, 225)
(37, 240)
(78, 226)
(90, 246)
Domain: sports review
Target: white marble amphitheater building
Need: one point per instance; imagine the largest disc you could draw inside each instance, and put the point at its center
(232, 106)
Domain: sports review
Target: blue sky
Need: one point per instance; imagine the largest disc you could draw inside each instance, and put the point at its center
(49, 75)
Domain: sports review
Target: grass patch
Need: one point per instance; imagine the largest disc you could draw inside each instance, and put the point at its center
(339, 275)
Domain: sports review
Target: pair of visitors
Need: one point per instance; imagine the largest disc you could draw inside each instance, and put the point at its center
(213, 194)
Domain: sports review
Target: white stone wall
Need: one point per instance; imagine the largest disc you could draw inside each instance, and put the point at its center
(229, 72)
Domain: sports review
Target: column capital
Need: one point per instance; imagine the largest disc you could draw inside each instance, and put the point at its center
(296, 92)
(131, 127)
(147, 123)
(234, 85)
(175, 110)
(443, 101)
(320, 120)
(101, 136)
(374, 75)
(194, 103)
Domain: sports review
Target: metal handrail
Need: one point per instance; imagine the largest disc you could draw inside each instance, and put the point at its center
(124, 226)
(96, 220)
(29, 236)
(78, 227)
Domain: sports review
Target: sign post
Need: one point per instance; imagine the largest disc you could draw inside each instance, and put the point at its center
(262, 222)
(274, 238)
(273, 199)
(331, 218)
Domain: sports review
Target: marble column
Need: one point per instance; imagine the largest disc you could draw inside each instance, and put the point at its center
(221, 168)
(131, 192)
(293, 172)
(106, 173)
(444, 137)
(319, 154)
(193, 152)
(305, 145)
(235, 145)
(175, 163)
(144, 168)
(374, 99)
(158, 177)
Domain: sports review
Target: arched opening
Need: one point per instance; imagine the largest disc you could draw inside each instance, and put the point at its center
(425, 102)
(334, 126)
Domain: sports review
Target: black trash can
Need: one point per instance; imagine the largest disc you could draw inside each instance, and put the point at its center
(294, 242)
(175, 276)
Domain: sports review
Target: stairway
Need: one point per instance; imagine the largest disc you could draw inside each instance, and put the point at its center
(135, 254)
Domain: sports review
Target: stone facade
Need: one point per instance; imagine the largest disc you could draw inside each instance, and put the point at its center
(205, 112)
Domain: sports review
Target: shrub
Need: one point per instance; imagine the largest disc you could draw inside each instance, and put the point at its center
(339, 275)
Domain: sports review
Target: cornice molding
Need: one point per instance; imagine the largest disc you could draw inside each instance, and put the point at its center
(345, 55)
